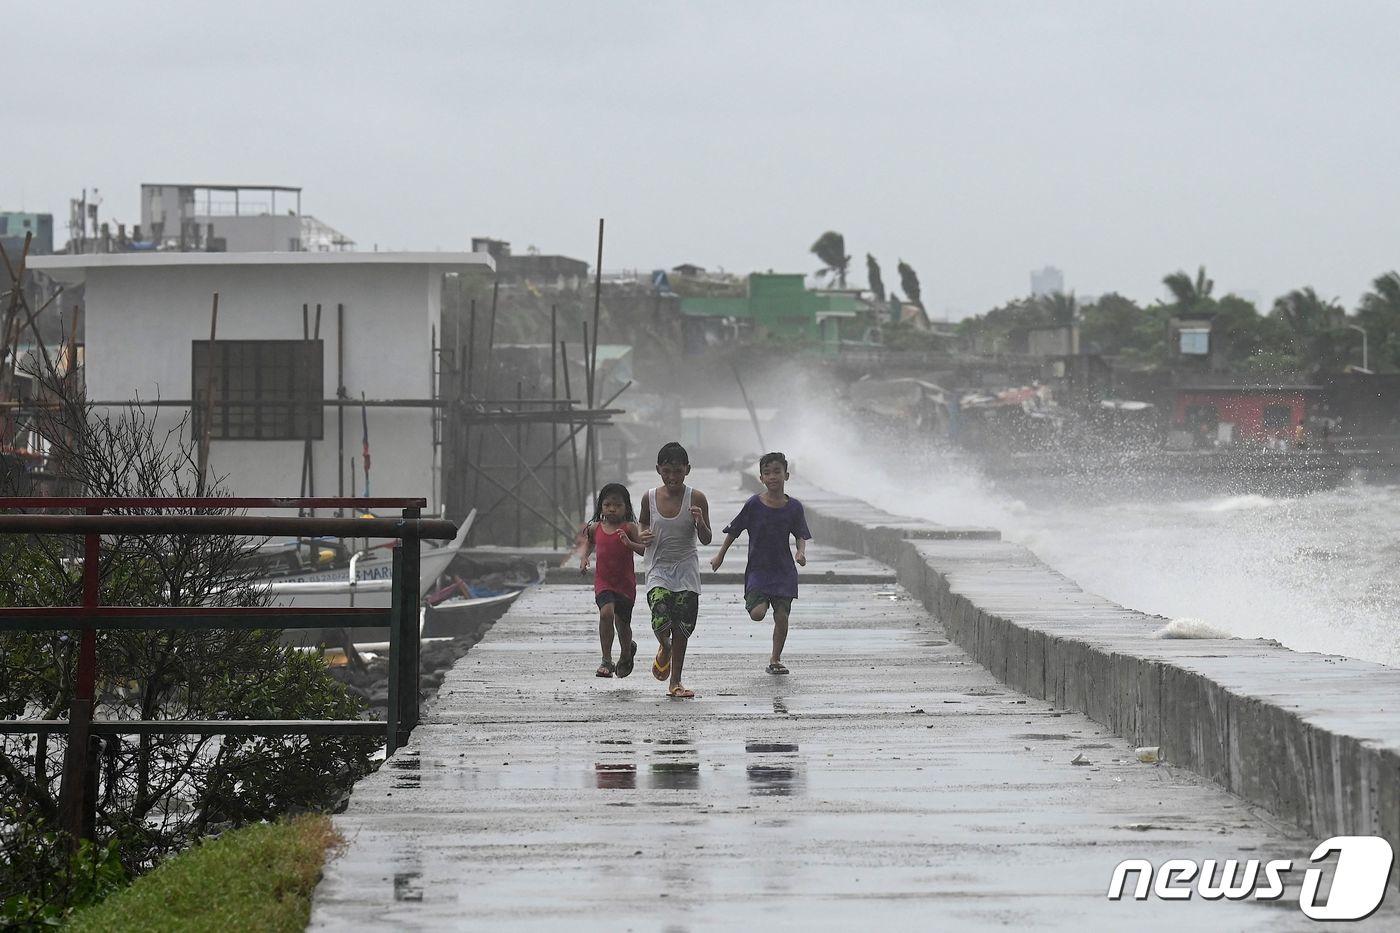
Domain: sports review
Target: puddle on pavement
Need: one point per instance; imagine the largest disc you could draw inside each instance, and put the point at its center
(781, 777)
(406, 771)
(675, 775)
(408, 886)
(615, 776)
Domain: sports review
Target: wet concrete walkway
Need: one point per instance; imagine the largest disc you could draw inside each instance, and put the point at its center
(888, 781)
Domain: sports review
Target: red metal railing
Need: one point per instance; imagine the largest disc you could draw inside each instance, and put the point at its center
(401, 618)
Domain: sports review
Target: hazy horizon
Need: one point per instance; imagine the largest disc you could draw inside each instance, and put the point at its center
(1117, 143)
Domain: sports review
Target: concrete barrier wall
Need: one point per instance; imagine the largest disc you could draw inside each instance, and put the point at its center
(1314, 739)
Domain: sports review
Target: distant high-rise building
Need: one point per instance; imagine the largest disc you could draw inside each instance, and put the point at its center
(13, 227)
(1047, 281)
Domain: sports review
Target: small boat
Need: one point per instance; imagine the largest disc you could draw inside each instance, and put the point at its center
(362, 586)
(370, 571)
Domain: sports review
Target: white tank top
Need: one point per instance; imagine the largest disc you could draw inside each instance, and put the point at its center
(672, 560)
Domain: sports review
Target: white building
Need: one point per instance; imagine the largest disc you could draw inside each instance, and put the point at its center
(147, 332)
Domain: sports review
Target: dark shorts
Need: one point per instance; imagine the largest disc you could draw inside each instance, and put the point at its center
(753, 598)
(673, 610)
(622, 606)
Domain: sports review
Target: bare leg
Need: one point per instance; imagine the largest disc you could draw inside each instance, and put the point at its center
(605, 630)
(780, 630)
(624, 633)
(758, 611)
(678, 644)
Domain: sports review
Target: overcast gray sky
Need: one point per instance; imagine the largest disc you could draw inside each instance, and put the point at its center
(1118, 141)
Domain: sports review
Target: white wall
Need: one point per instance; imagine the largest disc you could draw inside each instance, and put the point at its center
(141, 322)
(253, 233)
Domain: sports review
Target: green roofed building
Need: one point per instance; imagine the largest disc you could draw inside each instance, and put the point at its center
(781, 305)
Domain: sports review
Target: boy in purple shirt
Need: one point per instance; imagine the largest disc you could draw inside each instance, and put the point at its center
(770, 579)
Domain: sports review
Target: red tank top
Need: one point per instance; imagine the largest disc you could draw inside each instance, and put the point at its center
(613, 569)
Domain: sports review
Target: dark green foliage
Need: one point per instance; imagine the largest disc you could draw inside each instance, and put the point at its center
(909, 281)
(157, 794)
(1062, 309)
(1379, 314)
(45, 881)
(830, 248)
(876, 280)
(1188, 293)
(1313, 326)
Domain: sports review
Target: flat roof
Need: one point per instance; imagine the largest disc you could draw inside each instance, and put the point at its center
(220, 187)
(172, 258)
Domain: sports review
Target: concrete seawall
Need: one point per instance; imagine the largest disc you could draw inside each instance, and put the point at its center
(1312, 738)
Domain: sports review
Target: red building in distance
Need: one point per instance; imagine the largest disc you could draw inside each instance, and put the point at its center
(1256, 414)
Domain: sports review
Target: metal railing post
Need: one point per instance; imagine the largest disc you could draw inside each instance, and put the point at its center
(75, 754)
(393, 714)
(407, 660)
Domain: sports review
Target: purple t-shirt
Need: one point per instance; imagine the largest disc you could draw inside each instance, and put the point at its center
(771, 569)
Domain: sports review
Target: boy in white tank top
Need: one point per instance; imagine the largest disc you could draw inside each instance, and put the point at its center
(674, 516)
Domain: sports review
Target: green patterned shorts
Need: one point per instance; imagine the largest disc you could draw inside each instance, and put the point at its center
(671, 610)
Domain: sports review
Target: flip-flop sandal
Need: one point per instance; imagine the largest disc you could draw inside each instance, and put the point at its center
(625, 663)
(777, 668)
(658, 670)
(605, 669)
(679, 692)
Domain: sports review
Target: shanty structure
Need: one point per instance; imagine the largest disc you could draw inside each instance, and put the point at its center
(313, 353)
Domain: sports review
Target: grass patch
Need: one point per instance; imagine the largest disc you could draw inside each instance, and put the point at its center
(255, 878)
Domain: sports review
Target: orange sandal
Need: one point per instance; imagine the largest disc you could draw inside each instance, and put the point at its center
(678, 692)
(661, 669)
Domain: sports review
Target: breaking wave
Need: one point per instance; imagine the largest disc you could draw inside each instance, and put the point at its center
(1316, 572)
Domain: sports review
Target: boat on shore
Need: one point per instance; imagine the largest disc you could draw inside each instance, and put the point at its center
(367, 581)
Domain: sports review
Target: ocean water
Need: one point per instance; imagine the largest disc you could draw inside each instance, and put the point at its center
(1318, 572)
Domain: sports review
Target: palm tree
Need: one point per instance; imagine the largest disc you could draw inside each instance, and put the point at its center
(876, 281)
(1061, 308)
(1186, 292)
(831, 249)
(1379, 314)
(1312, 323)
(909, 281)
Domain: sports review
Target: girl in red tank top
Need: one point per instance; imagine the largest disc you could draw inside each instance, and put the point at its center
(614, 535)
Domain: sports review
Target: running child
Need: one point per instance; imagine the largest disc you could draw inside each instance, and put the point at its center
(674, 517)
(613, 533)
(770, 578)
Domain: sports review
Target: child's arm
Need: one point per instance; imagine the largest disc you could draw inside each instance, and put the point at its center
(700, 514)
(632, 534)
(587, 548)
(802, 535)
(723, 549)
(646, 535)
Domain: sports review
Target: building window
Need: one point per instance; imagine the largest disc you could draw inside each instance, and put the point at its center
(1195, 341)
(265, 390)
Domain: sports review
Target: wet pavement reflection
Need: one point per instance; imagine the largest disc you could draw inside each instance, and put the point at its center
(778, 773)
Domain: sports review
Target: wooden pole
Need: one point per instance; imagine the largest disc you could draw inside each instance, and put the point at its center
(554, 395)
(340, 394)
(573, 436)
(208, 421)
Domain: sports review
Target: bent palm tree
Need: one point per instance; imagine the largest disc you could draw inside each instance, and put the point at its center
(874, 278)
(1185, 291)
(830, 248)
(1379, 314)
(1310, 321)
